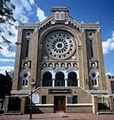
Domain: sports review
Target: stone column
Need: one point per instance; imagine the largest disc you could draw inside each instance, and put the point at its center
(95, 104)
(53, 82)
(65, 82)
(22, 109)
(111, 103)
(15, 84)
(5, 104)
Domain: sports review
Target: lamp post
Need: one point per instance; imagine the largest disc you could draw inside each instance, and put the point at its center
(32, 84)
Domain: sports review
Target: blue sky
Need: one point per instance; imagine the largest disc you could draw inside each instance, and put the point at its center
(81, 10)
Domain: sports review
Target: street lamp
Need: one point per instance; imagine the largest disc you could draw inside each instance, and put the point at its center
(32, 84)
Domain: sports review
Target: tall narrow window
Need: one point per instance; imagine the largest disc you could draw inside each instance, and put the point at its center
(62, 16)
(94, 82)
(59, 79)
(57, 16)
(74, 99)
(43, 99)
(91, 48)
(72, 79)
(24, 82)
(27, 48)
(47, 79)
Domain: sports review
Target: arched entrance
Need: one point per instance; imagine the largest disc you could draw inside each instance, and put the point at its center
(59, 79)
(47, 79)
(72, 79)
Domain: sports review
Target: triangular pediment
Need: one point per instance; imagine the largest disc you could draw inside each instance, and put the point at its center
(60, 15)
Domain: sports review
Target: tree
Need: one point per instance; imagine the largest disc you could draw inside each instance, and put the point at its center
(5, 85)
(5, 88)
(6, 17)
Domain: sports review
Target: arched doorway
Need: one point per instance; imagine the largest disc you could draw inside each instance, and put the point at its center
(47, 79)
(72, 79)
(59, 79)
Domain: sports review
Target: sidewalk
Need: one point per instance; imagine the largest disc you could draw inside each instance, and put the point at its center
(58, 116)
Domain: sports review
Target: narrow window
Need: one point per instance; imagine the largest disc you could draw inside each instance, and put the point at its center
(57, 16)
(95, 82)
(27, 49)
(43, 99)
(24, 82)
(69, 100)
(91, 48)
(92, 82)
(74, 100)
(62, 15)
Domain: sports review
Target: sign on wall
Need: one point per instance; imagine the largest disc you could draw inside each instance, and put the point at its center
(35, 98)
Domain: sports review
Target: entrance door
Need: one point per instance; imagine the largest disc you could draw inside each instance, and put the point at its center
(59, 103)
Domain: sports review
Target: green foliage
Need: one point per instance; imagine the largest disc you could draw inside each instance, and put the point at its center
(6, 17)
(6, 11)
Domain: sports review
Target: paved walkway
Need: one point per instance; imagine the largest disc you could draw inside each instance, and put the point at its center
(58, 116)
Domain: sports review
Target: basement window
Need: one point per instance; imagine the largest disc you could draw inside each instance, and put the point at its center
(43, 99)
(72, 100)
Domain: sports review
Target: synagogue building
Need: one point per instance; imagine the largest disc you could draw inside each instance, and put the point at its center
(59, 62)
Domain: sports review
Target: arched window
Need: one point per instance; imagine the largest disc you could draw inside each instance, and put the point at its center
(47, 79)
(72, 79)
(57, 16)
(24, 82)
(62, 15)
(59, 79)
(93, 78)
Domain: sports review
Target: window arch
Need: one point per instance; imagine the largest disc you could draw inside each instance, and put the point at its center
(57, 16)
(94, 78)
(72, 79)
(24, 82)
(59, 79)
(47, 79)
(62, 15)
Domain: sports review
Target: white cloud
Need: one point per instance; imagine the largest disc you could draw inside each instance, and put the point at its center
(108, 73)
(6, 68)
(6, 52)
(32, 2)
(24, 19)
(26, 5)
(7, 60)
(20, 13)
(108, 45)
(8, 49)
(40, 14)
(6, 29)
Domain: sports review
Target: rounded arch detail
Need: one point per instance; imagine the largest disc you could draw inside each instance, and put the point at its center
(73, 70)
(47, 70)
(62, 28)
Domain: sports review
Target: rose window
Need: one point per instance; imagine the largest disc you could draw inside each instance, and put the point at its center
(59, 45)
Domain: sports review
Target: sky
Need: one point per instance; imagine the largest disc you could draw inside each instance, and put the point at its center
(88, 11)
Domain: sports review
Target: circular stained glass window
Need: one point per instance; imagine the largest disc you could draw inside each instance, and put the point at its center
(59, 45)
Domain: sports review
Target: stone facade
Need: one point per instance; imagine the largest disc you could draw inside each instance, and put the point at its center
(110, 84)
(64, 59)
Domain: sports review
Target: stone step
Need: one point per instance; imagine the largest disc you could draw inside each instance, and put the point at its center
(12, 113)
(101, 113)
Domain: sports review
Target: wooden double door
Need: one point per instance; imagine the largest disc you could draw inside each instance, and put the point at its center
(59, 103)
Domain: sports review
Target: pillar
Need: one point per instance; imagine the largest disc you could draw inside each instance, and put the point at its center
(95, 104)
(22, 109)
(53, 82)
(111, 103)
(65, 82)
(5, 104)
